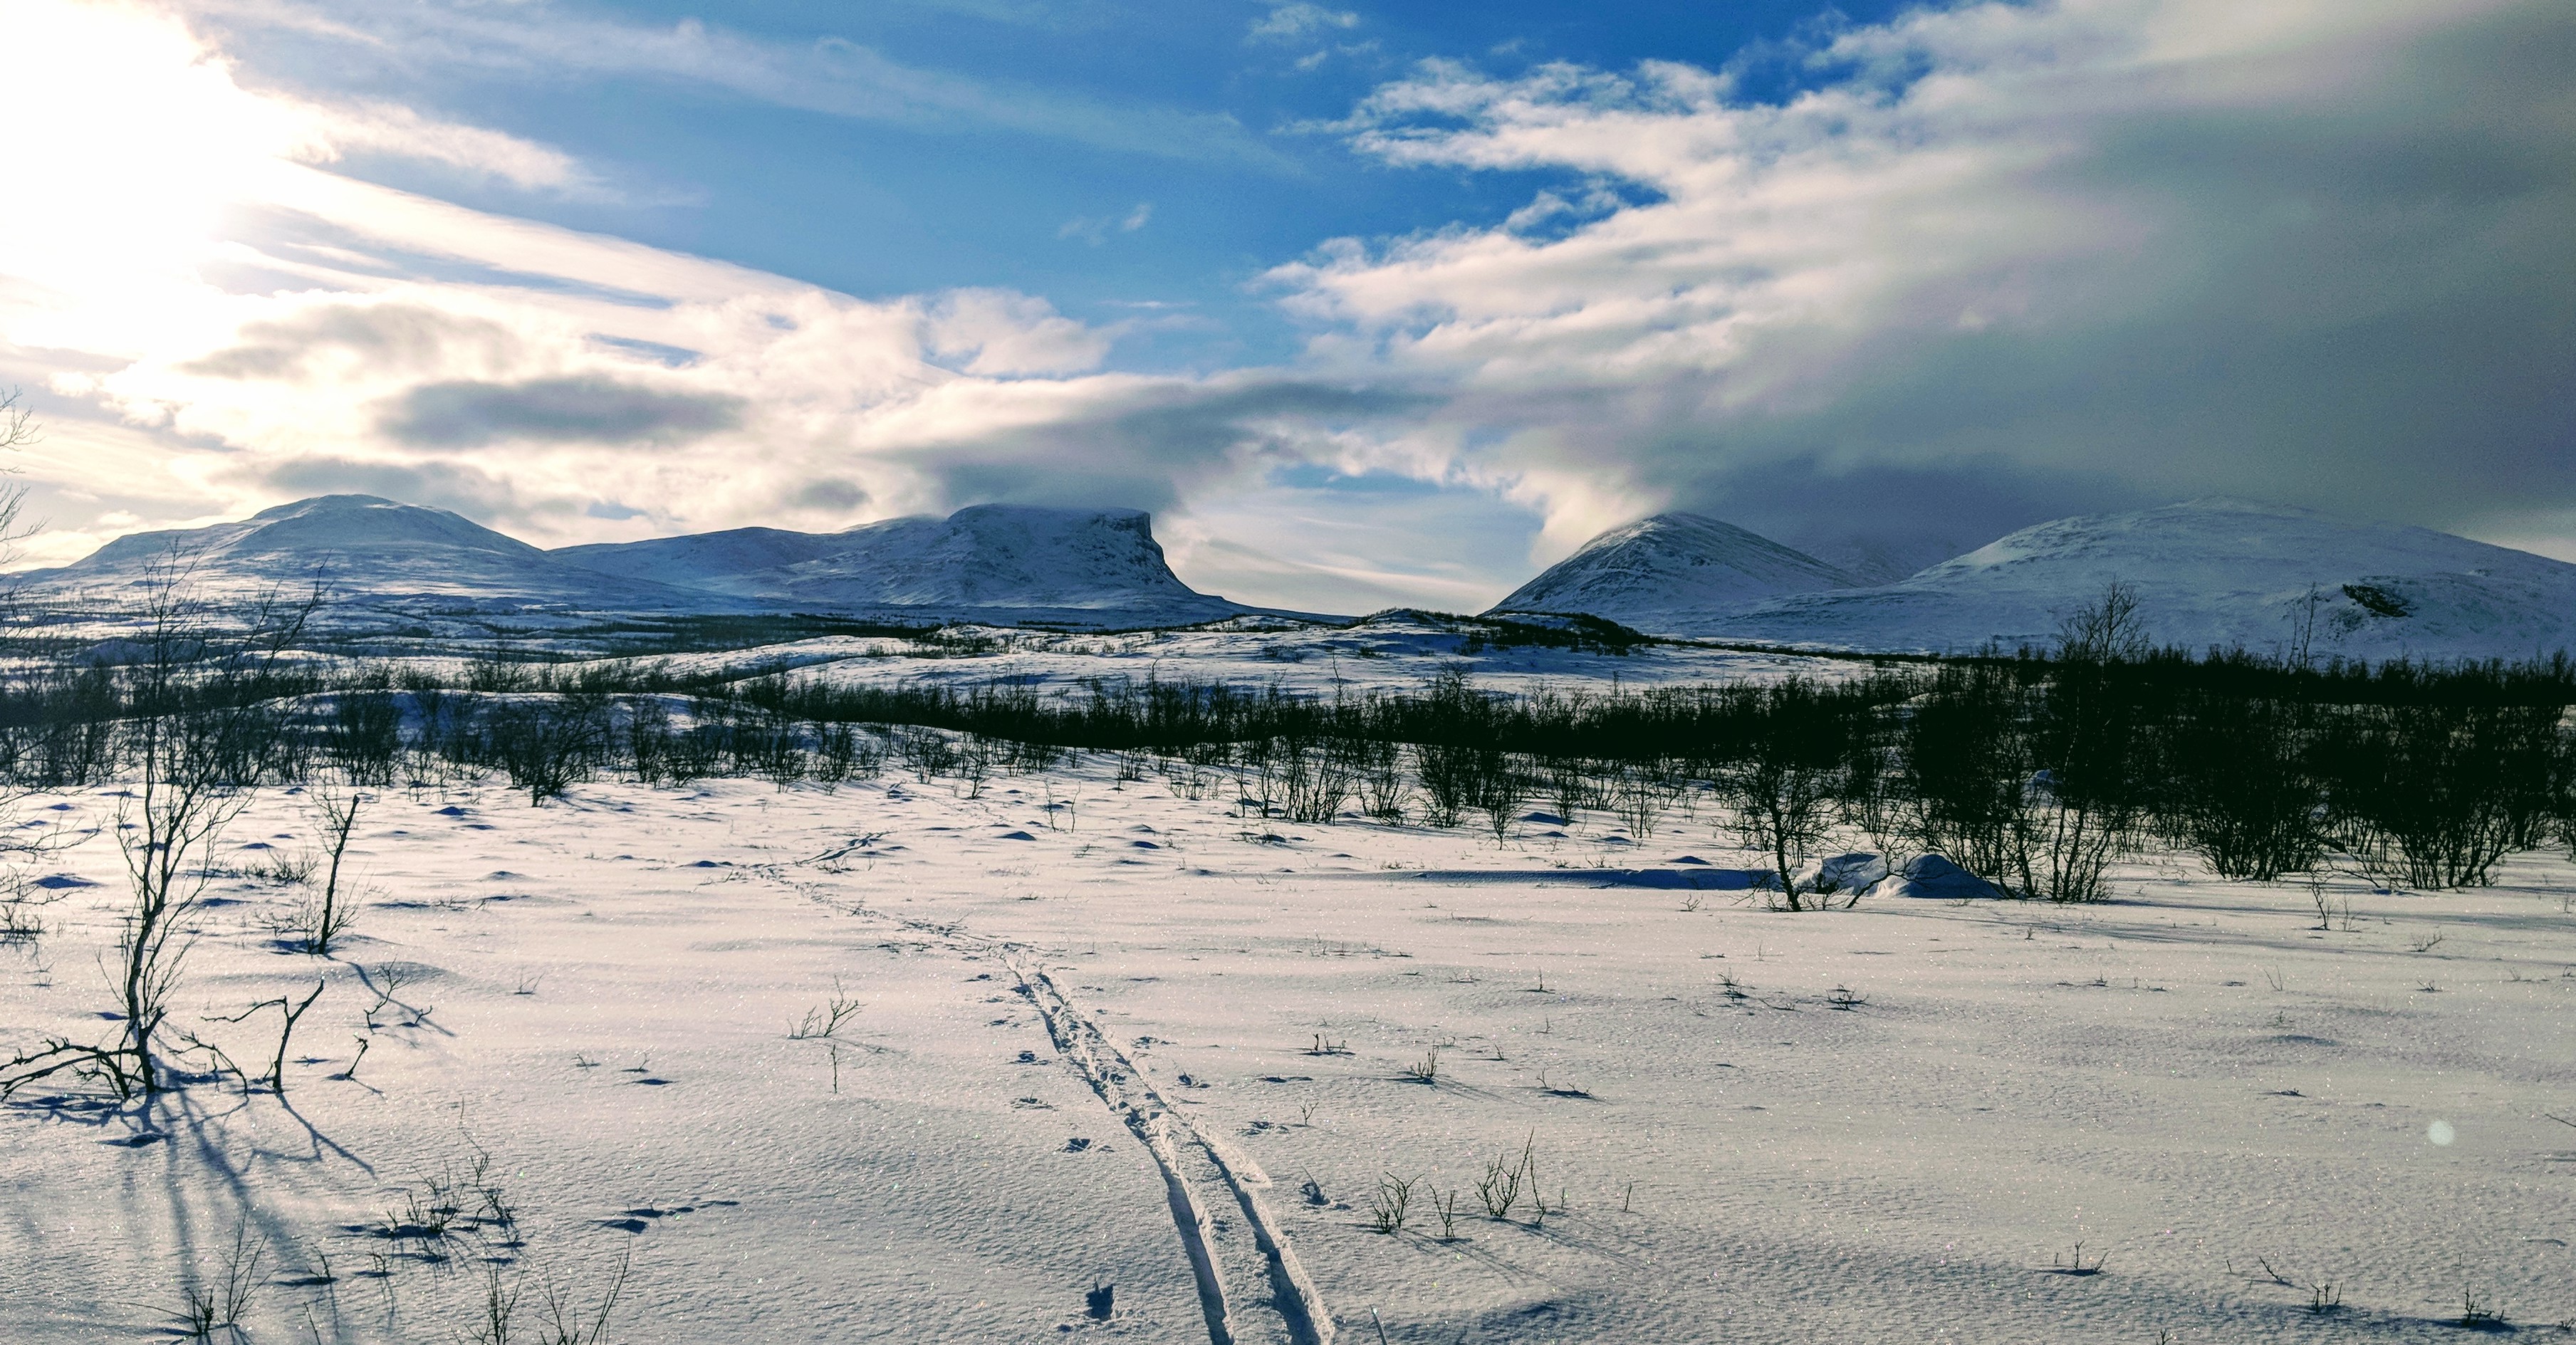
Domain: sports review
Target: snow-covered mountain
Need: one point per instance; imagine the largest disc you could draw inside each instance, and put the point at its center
(1673, 573)
(358, 546)
(2211, 572)
(990, 557)
(990, 562)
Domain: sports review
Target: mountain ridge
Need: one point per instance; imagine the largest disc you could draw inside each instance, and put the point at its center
(984, 562)
(2213, 572)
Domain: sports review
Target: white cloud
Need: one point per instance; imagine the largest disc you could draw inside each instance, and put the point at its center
(1288, 23)
(1000, 333)
(833, 76)
(390, 128)
(1095, 229)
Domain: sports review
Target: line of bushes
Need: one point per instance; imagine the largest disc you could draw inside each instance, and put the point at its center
(2037, 773)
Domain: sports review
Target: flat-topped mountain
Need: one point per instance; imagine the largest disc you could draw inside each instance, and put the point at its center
(1671, 574)
(995, 556)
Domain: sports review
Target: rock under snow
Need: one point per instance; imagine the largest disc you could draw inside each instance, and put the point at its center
(1856, 872)
(1934, 877)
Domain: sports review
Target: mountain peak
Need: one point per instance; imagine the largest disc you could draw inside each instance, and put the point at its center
(326, 504)
(1672, 568)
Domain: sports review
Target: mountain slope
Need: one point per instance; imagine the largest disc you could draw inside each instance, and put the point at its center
(986, 558)
(1673, 573)
(2211, 572)
(714, 561)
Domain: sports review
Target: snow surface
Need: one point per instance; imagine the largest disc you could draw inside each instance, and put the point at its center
(1396, 651)
(2213, 572)
(1084, 1007)
(1672, 572)
(385, 560)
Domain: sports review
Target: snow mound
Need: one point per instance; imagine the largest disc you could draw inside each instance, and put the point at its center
(2208, 573)
(1672, 573)
(1935, 878)
(1858, 871)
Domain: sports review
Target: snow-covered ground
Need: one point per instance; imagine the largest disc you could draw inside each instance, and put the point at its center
(1396, 651)
(1100, 1026)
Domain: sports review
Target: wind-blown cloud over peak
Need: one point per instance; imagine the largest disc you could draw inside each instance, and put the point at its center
(2080, 251)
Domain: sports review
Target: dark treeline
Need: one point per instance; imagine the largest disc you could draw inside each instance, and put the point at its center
(2037, 773)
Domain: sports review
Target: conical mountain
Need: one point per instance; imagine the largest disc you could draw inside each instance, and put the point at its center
(1672, 574)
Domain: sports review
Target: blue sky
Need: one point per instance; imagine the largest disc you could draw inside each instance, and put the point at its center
(1371, 304)
(1120, 159)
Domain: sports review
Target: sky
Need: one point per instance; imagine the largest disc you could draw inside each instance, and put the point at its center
(1370, 304)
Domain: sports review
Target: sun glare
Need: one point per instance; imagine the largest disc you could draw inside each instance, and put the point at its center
(133, 141)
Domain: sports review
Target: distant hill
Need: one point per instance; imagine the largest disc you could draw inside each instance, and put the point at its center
(1671, 574)
(2210, 572)
(986, 563)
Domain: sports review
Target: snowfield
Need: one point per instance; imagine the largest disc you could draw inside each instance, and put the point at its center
(1094, 1035)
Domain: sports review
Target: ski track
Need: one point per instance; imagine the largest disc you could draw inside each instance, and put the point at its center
(1228, 1266)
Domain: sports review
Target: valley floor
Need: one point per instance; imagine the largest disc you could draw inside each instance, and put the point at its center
(1108, 1037)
